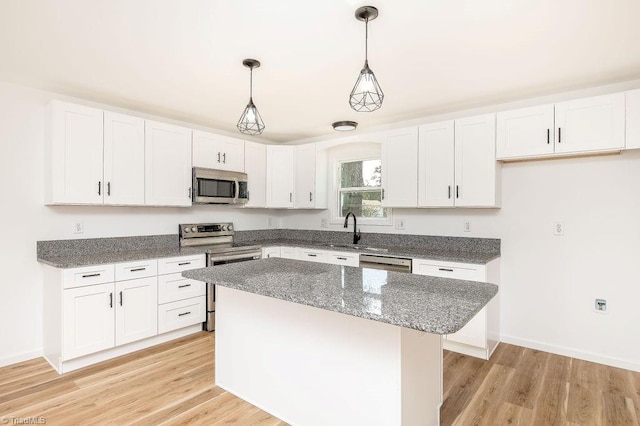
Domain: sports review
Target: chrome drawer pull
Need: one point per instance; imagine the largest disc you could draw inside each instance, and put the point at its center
(341, 258)
(184, 263)
(91, 275)
(138, 269)
(184, 285)
(312, 255)
(445, 269)
(183, 314)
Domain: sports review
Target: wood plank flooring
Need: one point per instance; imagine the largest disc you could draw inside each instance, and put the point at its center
(172, 384)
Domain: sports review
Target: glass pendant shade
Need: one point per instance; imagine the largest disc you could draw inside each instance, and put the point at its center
(366, 95)
(250, 122)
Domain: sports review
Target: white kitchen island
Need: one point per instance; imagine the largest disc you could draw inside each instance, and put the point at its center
(317, 344)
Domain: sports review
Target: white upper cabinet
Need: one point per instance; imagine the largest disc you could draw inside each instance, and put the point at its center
(476, 168)
(595, 124)
(590, 124)
(400, 168)
(525, 132)
(436, 176)
(73, 173)
(167, 164)
(255, 166)
(280, 176)
(218, 152)
(310, 178)
(457, 164)
(633, 119)
(123, 159)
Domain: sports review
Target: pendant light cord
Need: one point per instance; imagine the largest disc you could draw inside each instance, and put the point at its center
(366, 40)
(251, 84)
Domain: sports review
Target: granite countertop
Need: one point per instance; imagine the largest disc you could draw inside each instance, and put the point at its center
(430, 304)
(479, 258)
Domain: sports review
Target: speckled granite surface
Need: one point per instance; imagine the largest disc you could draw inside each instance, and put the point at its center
(96, 251)
(430, 304)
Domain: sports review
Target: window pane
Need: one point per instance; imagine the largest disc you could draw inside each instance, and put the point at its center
(362, 204)
(357, 174)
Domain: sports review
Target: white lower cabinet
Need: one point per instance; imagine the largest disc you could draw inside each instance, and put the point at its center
(270, 252)
(481, 335)
(344, 258)
(95, 313)
(289, 252)
(311, 255)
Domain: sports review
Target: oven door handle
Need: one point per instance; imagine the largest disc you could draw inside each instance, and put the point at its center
(235, 256)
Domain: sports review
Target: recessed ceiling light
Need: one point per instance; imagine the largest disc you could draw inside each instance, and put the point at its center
(344, 126)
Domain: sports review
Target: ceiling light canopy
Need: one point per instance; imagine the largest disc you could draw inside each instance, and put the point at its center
(344, 126)
(250, 122)
(366, 95)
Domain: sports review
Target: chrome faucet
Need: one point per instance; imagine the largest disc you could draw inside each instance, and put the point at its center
(356, 234)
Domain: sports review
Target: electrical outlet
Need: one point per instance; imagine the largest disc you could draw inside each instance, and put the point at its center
(399, 223)
(558, 229)
(78, 228)
(269, 222)
(466, 226)
(600, 306)
(324, 223)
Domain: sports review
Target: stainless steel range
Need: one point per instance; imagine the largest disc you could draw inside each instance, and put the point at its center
(217, 240)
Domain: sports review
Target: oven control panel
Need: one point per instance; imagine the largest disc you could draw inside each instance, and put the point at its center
(199, 230)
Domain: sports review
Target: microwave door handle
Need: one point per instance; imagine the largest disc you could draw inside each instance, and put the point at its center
(235, 198)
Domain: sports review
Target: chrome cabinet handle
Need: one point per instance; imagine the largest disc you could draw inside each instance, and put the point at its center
(111, 300)
(224, 158)
(311, 196)
(184, 285)
(548, 136)
(109, 188)
(99, 188)
(559, 135)
(189, 193)
(341, 258)
(218, 157)
(91, 275)
(184, 313)
(445, 269)
(312, 255)
(449, 192)
(120, 298)
(138, 269)
(457, 191)
(291, 197)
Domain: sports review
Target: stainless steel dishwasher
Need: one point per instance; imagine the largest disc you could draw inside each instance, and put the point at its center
(387, 263)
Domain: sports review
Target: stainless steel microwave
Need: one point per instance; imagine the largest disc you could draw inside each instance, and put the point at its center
(212, 186)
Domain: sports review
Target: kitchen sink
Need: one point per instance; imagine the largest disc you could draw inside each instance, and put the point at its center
(357, 247)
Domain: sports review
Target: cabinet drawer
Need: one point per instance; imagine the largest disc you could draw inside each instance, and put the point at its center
(173, 287)
(172, 265)
(88, 275)
(346, 259)
(313, 255)
(450, 270)
(175, 315)
(133, 270)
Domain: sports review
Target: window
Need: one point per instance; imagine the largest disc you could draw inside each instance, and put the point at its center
(359, 189)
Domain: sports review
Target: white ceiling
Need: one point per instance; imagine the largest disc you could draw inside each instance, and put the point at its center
(182, 58)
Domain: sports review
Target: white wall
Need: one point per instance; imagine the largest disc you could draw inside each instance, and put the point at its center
(25, 220)
(549, 282)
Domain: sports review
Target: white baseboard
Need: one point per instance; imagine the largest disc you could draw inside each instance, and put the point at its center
(25, 356)
(573, 353)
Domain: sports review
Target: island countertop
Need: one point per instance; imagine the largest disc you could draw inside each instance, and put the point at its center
(431, 304)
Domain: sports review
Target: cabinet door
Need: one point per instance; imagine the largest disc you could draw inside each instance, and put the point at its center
(525, 132)
(288, 252)
(123, 159)
(136, 309)
(270, 252)
(167, 165)
(435, 165)
(255, 165)
(474, 333)
(305, 176)
(633, 119)
(591, 124)
(280, 184)
(475, 161)
(73, 155)
(217, 152)
(87, 320)
(400, 168)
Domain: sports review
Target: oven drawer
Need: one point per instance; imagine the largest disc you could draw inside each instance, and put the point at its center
(171, 265)
(183, 313)
(173, 287)
(134, 270)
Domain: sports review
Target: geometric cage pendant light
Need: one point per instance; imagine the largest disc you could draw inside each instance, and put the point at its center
(250, 122)
(366, 95)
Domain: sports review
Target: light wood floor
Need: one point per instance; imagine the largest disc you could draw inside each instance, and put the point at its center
(173, 384)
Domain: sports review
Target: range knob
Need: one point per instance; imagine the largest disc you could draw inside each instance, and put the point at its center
(223, 227)
(230, 227)
(194, 229)
(186, 230)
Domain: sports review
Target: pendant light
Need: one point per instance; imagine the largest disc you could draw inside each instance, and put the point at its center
(366, 95)
(250, 122)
